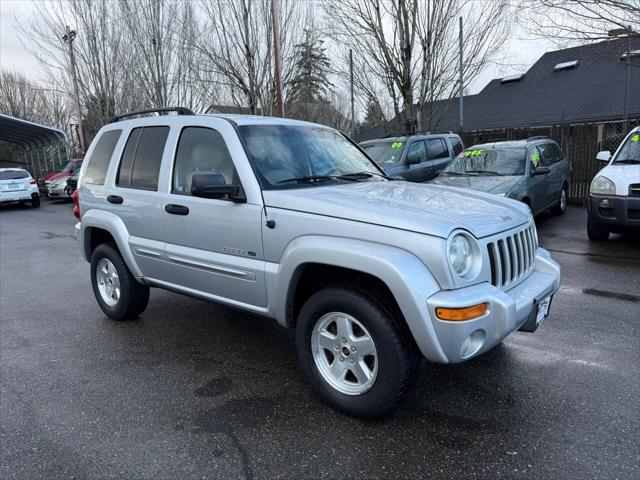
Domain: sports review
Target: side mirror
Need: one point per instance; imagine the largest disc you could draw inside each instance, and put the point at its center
(540, 171)
(412, 159)
(212, 185)
(604, 156)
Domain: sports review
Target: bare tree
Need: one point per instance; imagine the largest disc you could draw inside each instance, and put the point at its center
(567, 21)
(409, 47)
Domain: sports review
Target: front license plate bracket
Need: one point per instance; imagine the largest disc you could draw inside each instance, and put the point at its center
(539, 313)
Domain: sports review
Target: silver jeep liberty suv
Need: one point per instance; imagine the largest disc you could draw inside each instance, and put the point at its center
(292, 220)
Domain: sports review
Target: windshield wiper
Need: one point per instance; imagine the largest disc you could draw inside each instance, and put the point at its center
(307, 179)
(483, 172)
(458, 174)
(362, 175)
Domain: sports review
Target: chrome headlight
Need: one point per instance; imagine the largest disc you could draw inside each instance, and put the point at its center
(601, 185)
(463, 254)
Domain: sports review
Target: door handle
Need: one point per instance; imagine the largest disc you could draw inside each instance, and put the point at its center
(117, 199)
(174, 209)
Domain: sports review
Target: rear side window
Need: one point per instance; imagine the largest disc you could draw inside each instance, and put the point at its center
(457, 146)
(99, 162)
(13, 174)
(557, 153)
(141, 159)
(436, 148)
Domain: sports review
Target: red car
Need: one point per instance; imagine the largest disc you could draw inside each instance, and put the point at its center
(69, 169)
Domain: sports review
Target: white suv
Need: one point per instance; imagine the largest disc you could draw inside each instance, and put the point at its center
(291, 220)
(17, 185)
(614, 196)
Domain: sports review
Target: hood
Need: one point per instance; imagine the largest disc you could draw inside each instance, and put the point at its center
(622, 175)
(49, 175)
(495, 184)
(417, 207)
(58, 176)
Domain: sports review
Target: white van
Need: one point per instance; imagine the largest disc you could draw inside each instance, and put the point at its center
(614, 197)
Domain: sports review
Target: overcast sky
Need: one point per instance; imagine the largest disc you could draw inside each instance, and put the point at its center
(521, 52)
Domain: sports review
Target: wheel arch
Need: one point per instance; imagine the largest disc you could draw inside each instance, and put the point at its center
(98, 226)
(402, 280)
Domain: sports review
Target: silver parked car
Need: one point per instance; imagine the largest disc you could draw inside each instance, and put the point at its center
(290, 220)
(533, 171)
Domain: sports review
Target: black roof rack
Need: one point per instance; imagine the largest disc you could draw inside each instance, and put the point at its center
(538, 137)
(178, 110)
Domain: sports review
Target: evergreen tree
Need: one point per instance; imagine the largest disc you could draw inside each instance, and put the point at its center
(309, 83)
(374, 115)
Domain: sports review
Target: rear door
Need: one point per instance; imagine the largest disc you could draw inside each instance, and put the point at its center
(214, 245)
(549, 159)
(136, 200)
(438, 155)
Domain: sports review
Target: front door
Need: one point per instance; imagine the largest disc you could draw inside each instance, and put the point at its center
(214, 246)
(537, 185)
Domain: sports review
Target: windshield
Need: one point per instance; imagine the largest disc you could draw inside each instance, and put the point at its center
(488, 161)
(287, 156)
(630, 151)
(385, 153)
(13, 174)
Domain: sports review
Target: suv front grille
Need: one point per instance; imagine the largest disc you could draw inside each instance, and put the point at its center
(512, 257)
(634, 190)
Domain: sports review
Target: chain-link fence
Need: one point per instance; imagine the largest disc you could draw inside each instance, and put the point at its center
(580, 143)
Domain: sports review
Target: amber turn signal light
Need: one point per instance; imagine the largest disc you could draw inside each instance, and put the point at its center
(460, 314)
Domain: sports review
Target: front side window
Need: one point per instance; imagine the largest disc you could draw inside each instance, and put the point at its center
(630, 151)
(547, 157)
(201, 150)
(493, 161)
(96, 171)
(288, 156)
(436, 148)
(385, 153)
(418, 150)
(141, 159)
(456, 144)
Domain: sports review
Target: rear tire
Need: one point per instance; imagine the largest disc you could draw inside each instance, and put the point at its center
(386, 356)
(35, 201)
(597, 233)
(119, 294)
(561, 207)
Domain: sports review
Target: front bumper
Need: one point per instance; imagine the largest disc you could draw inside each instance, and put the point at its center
(58, 192)
(614, 211)
(508, 310)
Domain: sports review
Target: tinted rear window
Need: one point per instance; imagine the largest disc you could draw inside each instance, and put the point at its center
(436, 148)
(13, 175)
(140, 165)
(99, 162)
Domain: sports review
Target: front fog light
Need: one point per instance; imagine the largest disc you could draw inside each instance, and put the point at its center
(460, 254)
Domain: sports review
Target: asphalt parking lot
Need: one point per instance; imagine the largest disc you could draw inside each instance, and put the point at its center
(196, 390)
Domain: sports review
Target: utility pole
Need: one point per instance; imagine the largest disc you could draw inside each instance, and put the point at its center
(353, 119)
(68, 38)
(461, 83)
(276, 52)
(628, 32)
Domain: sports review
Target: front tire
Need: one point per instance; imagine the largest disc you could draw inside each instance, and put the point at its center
(354, 353)
(119, 294)
(597, 233)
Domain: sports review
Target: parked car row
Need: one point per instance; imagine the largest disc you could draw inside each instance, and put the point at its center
(534, 171)
(54, 184)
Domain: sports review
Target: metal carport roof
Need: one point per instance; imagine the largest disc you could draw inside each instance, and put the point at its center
(28, 134)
